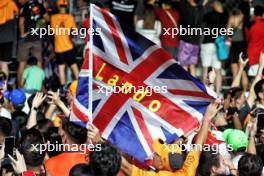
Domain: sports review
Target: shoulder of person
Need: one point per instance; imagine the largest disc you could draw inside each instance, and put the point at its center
(12, 3)
(27, 69)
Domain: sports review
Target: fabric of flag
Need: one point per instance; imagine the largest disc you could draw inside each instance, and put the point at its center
(139, 91)
(80, 112)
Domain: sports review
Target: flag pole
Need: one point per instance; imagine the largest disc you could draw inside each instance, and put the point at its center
(90, 98)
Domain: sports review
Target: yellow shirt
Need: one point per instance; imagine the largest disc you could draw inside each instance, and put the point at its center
(188, 169)
(8, 9)
(63, 25)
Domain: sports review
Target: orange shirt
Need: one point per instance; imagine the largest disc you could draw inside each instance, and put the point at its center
(188, 169)
(62, 25)
(61, 164)
(8, 9)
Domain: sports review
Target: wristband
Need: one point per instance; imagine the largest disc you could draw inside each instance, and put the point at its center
(35, 109)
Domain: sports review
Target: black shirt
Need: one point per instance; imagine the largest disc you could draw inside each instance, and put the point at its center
(190, 17)
(8, 31)
(214, 20)
(33, 13)
(124, 10)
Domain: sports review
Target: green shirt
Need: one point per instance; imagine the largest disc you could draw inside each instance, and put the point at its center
(33, 77)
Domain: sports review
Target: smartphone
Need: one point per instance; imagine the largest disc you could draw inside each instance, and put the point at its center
(232, 110)
(260, 124)
(9, 146)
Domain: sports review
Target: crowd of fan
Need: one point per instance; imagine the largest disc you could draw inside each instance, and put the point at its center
(35, 109)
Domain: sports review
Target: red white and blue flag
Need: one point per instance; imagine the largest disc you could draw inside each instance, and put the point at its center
(131, 120)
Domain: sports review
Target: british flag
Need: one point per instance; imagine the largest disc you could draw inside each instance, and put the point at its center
(131, 120)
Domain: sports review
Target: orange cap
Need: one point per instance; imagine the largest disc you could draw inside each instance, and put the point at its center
(72, 88)
(164, 151)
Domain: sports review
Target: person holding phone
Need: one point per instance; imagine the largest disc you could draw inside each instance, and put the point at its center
(19, 164)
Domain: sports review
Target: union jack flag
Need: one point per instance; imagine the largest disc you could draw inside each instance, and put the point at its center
(132, 120)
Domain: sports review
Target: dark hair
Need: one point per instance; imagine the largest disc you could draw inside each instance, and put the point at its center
(250, 165)
(43, 126)
(75, 132)
(149, 17)
(20, 118)
(19, 107)
(168, 2)
(5, 126)
(207, 161)
(258, 88)
(236, 92)
(52, 135)
(30, 100)
(99, 4)
(258, 10)
(241, 149)
(2, 99)
(81, 170)
(32, 156)
(236, 12)
(42, 106)
(105, 162)
(32, 61)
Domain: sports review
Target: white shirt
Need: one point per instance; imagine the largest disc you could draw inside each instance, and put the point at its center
(151, 34)
(5, 113)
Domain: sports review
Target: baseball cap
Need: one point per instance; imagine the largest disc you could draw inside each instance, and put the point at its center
(72, 87)
(236, 138)
(170, 154)
(16, 97)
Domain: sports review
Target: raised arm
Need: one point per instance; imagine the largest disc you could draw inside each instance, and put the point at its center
(252, 128)
(236, 121)
(210, 113)
(37, 101)
(55, 99)
(242, 64)
(252, 96)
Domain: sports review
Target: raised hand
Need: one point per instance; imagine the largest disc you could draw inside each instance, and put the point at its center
(93, 133)
(242, 63)
(19, 165)
(54, 97)
(38, 99)
(212, 110)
